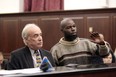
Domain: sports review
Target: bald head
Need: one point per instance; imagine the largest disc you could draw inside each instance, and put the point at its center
(65, 22)
(27, 28)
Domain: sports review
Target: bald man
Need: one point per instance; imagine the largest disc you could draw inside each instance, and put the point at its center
(74, 50)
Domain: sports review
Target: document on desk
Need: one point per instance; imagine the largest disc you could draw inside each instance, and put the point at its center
(20, 71)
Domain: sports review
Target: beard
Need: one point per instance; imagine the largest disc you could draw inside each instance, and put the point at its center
(70, 37)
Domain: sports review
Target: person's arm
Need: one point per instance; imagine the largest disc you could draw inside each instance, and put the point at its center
(54, 54)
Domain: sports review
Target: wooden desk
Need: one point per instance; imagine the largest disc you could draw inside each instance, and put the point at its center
(103, 70)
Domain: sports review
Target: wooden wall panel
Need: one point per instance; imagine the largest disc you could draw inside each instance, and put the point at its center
(51, 31)
(9, 35)
(11, 25)
(114, 32)
(100, 24)
(25, 20)
(1, 34)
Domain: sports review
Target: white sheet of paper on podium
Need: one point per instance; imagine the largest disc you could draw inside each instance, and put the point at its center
(45, 60)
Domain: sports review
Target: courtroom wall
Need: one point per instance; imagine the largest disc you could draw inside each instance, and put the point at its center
(11, 25)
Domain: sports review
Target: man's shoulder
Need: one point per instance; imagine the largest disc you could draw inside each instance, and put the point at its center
(19, 50)
(84, 39)
(44, 50)
(56, 45)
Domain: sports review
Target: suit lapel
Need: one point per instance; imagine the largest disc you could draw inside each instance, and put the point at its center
(29, 58)
(42, 53)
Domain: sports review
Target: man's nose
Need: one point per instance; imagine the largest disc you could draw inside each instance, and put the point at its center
(73, 28)
(40, 38)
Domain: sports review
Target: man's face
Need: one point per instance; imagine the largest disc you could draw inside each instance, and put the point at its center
(34, 40)
(70, 28)
(70, 31)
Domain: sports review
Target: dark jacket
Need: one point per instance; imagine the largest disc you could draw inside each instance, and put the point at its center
(4, 64)
(21, 58)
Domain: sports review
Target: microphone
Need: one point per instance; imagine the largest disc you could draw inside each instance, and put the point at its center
(45, 65)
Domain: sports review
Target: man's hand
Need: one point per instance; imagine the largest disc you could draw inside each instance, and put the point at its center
(97, 38)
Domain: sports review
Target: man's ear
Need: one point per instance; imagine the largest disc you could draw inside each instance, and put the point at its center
(24, 40)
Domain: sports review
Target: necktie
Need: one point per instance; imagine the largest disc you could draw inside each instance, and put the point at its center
(38, 58)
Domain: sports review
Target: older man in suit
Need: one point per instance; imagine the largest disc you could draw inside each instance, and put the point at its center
(25, 57)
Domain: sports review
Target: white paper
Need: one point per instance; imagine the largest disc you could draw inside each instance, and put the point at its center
(20, 71)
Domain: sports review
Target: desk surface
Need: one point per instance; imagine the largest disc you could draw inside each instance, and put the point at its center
(105, 70)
